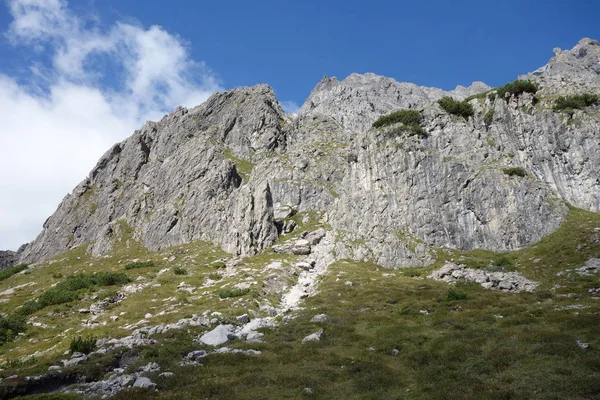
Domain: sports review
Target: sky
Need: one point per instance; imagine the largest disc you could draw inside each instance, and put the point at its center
(78, 76)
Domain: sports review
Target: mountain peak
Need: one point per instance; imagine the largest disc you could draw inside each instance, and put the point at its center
(570, 71)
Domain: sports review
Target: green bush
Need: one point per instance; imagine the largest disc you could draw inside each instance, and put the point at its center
(407, 117)
(139, 264)
(214, 276)
(10, 327)
(454, 294)
(180, 271)
(516, 88)
(218, 265)
(225, 293)
(503, 264)
(455, 107)
(488, 117)
(577, 101)
(491, 96)
(410, 129)
(71, 288)
(8, 272)
(514, 171)
(83, 345)
(480, 96)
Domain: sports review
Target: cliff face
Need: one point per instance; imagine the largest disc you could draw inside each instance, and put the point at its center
(227, 169)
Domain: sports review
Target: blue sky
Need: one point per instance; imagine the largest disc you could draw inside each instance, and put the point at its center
(77, 76)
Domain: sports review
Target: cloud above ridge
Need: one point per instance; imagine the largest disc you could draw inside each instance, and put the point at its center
(89, 87)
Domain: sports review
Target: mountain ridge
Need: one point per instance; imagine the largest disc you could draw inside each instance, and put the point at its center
(192, 175)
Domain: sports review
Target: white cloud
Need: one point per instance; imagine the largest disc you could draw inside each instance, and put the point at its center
(290, 107)
(56, 127)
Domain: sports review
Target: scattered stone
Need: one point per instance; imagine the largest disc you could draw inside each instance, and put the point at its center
(143, 382)
(243, 319)
(297, 247)
(395, 352)
(166, 374)
(348, 283)
(54, 368)
(151, 367)
(594, 290)
(504, 281)
(196, 354)
(318, 335)
(308, 390)
(315, 237)
(217, 336)
(148, 315)
(582, 345)
(320, 318)
(305, 266)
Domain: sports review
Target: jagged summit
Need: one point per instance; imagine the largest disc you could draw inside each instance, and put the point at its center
(571, 71)
(232, 170)
(359, 99)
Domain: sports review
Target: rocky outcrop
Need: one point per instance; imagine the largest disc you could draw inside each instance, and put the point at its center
(8, 259)
(571, 71)
(503, 281)
(234, 169)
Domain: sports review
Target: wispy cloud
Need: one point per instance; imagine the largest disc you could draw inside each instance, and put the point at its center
(290, 107)
(99, 84)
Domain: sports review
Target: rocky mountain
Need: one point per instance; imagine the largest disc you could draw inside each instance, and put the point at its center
(234, 169)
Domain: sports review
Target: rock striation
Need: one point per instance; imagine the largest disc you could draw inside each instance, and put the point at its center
(235, 169)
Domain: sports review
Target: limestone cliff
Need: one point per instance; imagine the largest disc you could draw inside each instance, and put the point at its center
(226, 170)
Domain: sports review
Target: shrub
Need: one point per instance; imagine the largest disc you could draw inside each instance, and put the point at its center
(488, 117)
(140, 264)
(8, 272)
(410, 129)
(83, 345)
(219, 264)
(214, 276)
(577, 101)
(514, 171)
(516, 88)
(455, 107)
(454, 294)
(480, 96)
(10, 327)
(225, 293)
(491, 96)
(180, 271)
(70, 290)
(407, 117)
(503, 264)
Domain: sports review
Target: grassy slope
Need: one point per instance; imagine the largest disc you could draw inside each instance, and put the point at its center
(491, 345)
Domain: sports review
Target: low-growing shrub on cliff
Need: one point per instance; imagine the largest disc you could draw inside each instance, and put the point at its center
(226, 293)
(488, 117)
(407, 117)
(455, 107)
(516, 88)
(8, 272)
(82, 345)
(578, 101)
(410, 129)
(514, 171)
(480, 96)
